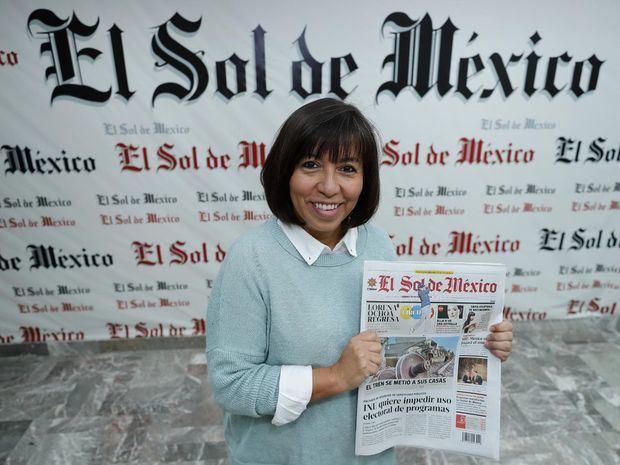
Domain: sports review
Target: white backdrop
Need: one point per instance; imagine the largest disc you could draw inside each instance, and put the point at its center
(133, 135)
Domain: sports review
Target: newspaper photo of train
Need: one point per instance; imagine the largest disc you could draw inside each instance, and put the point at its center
(417, 357)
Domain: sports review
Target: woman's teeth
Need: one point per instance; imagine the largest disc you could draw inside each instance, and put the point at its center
(326, 206)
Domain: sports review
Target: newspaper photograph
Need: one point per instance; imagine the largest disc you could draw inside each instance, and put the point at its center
(437, 387)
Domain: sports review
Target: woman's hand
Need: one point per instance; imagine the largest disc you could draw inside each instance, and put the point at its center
(499, 342)
(360, 359)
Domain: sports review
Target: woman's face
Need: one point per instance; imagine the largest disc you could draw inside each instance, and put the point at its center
(324, 194)
(453, 312)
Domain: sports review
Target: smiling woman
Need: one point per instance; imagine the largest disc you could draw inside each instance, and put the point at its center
(325, 153)
(283, 348)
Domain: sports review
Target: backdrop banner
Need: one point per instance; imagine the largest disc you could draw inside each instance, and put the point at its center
(133, 136)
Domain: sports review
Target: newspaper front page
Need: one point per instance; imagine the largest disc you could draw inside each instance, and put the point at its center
(438, 386)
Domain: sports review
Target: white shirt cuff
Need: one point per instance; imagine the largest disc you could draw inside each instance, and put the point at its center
(294, 392)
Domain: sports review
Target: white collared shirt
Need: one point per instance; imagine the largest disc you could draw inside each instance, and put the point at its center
(311, 249)
(295, 387)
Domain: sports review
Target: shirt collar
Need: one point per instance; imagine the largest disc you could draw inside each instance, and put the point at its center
(311, 249)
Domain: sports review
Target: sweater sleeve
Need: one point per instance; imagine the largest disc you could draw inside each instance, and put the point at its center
(237, 337)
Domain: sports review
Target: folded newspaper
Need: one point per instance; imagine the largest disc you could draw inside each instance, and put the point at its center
(438, 386)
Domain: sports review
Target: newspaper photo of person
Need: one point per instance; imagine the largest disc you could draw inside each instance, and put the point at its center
(449, 312)
(472, 370)
(470, 323)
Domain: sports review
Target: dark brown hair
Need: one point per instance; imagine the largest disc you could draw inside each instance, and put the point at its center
(323, 127)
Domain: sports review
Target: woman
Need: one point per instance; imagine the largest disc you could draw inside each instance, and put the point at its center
(442, 312)
(455, 312)
(283, 351)
(470, 323)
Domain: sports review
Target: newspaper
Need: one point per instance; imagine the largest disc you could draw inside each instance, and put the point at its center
(438, 386)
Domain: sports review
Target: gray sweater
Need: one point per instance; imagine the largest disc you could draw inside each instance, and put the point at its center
(269, 308)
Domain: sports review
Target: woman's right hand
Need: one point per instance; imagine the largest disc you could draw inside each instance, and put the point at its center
(360, 359)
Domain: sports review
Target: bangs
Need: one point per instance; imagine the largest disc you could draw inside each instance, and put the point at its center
(343, 138)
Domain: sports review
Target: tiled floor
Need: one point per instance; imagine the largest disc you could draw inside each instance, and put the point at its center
(89, 405)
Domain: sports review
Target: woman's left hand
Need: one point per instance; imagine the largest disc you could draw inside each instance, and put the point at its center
(499, 342)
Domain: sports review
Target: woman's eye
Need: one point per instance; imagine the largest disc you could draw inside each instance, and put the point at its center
(349, 169)
(309, 164)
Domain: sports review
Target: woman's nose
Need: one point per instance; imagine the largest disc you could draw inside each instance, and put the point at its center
(328, 184)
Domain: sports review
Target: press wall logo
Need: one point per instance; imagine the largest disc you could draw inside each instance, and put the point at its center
(576, 151)
(177, 253)
(168, 157)
(556, 240)
(24, 160)
(34, 334)
(424, 58)
(196, 327)
(49, 257)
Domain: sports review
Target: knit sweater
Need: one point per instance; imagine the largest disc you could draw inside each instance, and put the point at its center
(269, 308)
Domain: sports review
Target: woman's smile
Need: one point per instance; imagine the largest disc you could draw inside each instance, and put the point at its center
(326, 210)
(324, 193)
(325, 207)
